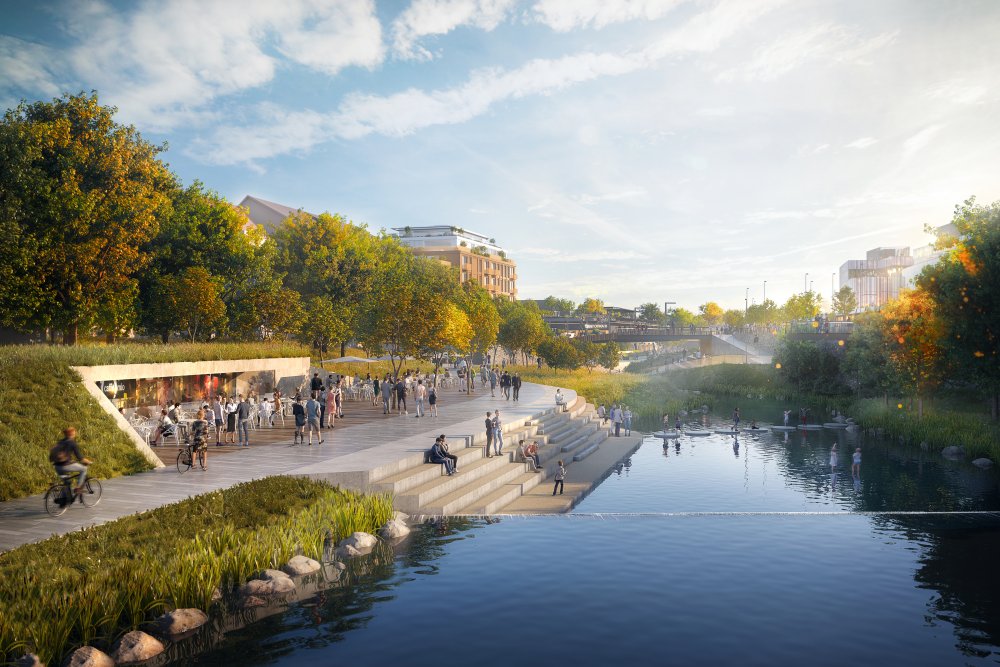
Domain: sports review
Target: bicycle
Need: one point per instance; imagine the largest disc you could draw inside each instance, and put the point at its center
(186, 457)
(63, 494)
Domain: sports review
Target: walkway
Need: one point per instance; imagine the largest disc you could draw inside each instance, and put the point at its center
(348, 457)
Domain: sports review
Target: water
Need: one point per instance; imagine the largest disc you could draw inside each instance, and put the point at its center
(676, 585)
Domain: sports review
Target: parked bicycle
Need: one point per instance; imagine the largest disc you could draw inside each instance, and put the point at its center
(63, 494)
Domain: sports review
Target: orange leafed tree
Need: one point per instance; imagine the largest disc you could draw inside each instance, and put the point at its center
(913, 333)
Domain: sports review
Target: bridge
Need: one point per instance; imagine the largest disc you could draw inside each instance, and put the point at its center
(710, 340)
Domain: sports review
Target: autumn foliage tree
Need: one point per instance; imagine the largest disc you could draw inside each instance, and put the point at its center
(913, 335)
(79, 196)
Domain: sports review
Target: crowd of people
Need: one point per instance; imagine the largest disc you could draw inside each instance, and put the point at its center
(620, 417)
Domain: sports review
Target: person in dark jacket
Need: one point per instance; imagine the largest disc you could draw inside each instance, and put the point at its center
(61, 457)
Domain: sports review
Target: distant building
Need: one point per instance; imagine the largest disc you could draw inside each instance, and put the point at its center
(928, 254)
(267, 214)
(878, 278)
(476, 257)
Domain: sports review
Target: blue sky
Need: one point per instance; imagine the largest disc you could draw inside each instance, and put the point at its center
(643, 150)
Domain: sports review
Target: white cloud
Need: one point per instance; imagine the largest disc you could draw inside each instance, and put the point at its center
(919, 141)
(27, 66)
(403, 113)
(162, 67)
(825, 42)
(551, 255)
(439, 17)
(862, 143)
(624, 194)
(959, 91)
(566, 15)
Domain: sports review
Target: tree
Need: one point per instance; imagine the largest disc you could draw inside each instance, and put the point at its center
(683, 317)
(844, 301)
(321, 326)
(965, 288)
(79, 195)
(328, 256)
(804, 306)
(552, 304)
(587, 352)
(483, 316)
(521, 326)
(711, 313)
(591, 307)
(266, 312)
(650, 312)
(191, 302)
(763, 313)
(558, 353)
(913, 335)
(734, 318)
(609, 355)
(811, 367)
(866, 359)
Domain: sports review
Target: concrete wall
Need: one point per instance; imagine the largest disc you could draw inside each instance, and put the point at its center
(289, 374)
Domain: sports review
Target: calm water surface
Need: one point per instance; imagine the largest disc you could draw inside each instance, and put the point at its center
(825, 588)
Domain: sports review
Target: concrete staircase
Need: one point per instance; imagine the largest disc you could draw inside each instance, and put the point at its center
(484, 485)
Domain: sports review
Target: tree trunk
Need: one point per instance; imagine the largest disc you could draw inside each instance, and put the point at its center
(165, 336)
(71, 334)
(343, 348)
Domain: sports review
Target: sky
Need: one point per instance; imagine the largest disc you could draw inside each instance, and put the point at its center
(629, 150)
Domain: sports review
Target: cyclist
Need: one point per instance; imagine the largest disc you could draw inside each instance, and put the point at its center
(199, 430)
(61, 457)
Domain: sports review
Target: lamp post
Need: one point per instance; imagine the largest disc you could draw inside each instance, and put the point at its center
(832, 292)
(765, 293)
(805, 281)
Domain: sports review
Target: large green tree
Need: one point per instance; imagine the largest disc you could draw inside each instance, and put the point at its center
(965, 288)
(844, 301)
(552, 304)
(79, 196)
(521, 327)
(651, 313)
(804, 306)
(559, 352)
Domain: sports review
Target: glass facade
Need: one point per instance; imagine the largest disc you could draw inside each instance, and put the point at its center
(145, 392)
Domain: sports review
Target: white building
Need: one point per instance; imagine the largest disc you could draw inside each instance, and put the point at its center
(878, 278)
(267, 214)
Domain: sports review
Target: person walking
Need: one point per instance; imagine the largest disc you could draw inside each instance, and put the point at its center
(616, 418)
(515, 384)
(420, 395)
(833, 458)
(602, 414)
(338, 399)
(401, 397)
(497, 433)
(627, 420)
(387, 391)
(432, 400)
(560, 478)
(493, 383)
(313, 419)
(316, 383)
(856, 463)
(330, 403)
(736, 419)
(230, 436)
(375, 390)
(299, 414)
(243, 422)
(218, 418)
(489, 435)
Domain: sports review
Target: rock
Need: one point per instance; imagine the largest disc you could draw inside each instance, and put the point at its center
(338, 565)
(360, 541)
(300, 565)
(136, 646)
(216, 594)
(29, 660)
(271, 575)
(88, 656)
(953, 452)
(346, 551)
(268, 582)
(180, 621)
(400, 516)
(982, 463)
(394, 530)
(252, 601)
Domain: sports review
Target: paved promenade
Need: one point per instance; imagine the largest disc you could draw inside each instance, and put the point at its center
(348, 453)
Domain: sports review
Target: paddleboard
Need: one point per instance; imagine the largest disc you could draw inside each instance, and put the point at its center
(727, 431)
(661, 434)
(697, 433)
(810, 427)
(835, 425)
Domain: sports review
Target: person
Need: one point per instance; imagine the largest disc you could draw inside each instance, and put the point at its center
(833, 458)
(338, 399)
(264, 416)
(444, 452)
(387, 391)
(602, 414)
(437, 455)
(497, 433)
(489, 434)
(531, 449)
(199, 429)
(230, 436)
(666, 422)
(313, 412)
(218, 415)
(788, 414)
(736, 419)
(321, 397)
(560, 400)
(616, 417)
(243, 417)
(677, 423)
(401, 397)
(493, 383)
(299, 413)
(515, 383)
(432, 400)
(753, 425)
(627, 420)
(61, 457)
(505, 385)
(330, 403)
(165, 429)
(316, 383)
(375, 390)
(856, 463)
(560, 478)
(420, 395)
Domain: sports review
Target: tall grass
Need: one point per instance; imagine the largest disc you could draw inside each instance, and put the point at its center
(149, 353)
(90, 586)
(937, 429)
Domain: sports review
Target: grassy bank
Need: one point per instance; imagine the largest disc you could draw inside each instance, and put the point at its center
(40, 394)
(91, 586)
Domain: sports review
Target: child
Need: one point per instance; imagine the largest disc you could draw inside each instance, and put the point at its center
(856, 464)
(560, 477)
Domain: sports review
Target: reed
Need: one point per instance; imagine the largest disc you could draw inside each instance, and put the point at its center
(91, 586)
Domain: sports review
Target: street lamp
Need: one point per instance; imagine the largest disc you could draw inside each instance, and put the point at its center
(805, 281)
(765, 293)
